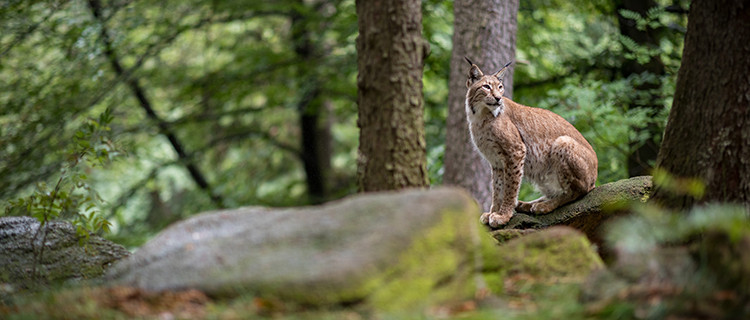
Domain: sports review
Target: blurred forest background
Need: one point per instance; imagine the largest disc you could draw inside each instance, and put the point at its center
(141, 113)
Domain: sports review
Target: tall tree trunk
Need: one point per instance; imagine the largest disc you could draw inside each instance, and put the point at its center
(314, 156)
(390, 48)
(485, 32)
(643, 155)
(708, 131)
(313, 130)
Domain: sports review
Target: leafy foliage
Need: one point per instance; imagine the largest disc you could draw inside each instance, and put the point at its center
(653, 226)
(72, 197)
(569, 60)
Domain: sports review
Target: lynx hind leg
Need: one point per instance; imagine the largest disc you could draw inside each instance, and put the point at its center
(572, 178)
(525, 206)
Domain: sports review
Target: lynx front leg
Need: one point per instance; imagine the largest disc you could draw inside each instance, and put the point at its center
(505, 184)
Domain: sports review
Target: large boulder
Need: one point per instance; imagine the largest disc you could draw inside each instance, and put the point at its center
(63, 257)
(549, 254)
(586, 214)
(388, 250)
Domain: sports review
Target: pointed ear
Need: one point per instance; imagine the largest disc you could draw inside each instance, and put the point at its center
(502, 71)
(474, 73)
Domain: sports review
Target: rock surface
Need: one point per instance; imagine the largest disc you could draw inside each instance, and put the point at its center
(586, 214)
(553, 253)
(62, 259)
(389, 250)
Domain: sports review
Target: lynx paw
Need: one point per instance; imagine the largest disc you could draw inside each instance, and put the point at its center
(494, 219)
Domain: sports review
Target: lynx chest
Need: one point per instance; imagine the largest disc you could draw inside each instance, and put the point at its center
(497, 139)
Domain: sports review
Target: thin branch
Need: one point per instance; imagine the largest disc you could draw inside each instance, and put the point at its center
(45, 224)
(154, 48)
(257, 133)
(146, 105)
(201, 117)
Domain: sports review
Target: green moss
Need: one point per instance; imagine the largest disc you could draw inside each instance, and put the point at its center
(489, 249)
(495, 282)
(504, 235)
(58, 302)
(436, 268)
(544, 255)
(554, 256)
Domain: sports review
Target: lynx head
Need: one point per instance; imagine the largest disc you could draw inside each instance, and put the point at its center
(485, 91)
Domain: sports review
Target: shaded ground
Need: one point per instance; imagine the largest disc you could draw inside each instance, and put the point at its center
(525, 298)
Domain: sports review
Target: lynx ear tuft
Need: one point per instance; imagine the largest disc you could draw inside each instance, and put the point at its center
(502, 71)
(474, 73)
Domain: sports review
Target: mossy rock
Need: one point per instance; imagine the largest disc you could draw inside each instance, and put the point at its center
(63, 258)
(391, 251)
(545, 255)
(586, 214)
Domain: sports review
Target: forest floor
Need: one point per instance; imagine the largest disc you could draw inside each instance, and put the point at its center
(524, 298)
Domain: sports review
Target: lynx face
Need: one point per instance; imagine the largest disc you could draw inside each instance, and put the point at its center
(485, 91)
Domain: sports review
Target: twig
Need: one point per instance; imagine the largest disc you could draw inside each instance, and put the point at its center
(44, 224)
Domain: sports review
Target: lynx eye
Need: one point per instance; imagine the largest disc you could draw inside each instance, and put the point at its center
(486, 86)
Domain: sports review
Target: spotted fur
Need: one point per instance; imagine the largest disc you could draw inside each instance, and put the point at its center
(524, 142)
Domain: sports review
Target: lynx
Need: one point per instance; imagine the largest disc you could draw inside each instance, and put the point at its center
(520, 141)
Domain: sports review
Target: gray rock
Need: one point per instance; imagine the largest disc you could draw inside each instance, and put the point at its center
(62, 259)
(391, 250)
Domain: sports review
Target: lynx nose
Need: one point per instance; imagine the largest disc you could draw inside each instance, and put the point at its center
(497, 99)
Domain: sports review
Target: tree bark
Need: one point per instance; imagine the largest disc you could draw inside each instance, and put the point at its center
(392, 148)
(641, 159)
(485, 32)
(708, 131)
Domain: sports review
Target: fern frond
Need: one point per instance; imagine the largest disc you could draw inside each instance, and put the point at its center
(630, 15)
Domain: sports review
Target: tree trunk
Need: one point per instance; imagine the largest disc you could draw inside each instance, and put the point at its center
(708, 131)
(392, 148)
(313, 130)
(485, 32)
(641, 159)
